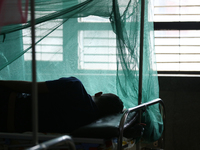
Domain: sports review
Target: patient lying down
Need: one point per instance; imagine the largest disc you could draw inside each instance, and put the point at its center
(63, 105)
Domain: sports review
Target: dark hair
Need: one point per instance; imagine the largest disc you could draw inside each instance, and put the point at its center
(109, 104)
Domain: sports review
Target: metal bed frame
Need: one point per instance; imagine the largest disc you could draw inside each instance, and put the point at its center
(142, 107)
(63, 140)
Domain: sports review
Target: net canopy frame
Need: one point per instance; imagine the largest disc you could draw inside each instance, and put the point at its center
(96, 41)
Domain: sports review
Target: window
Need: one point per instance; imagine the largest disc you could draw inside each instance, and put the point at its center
(176, 10)
(97, 47)
(50, 48)
(177, 50)
(97, 52)
(177, 35)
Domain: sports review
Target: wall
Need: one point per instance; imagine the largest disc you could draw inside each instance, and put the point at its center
(181, 96)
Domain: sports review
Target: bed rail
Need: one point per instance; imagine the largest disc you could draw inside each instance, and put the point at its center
(63, 140)
(136, 108)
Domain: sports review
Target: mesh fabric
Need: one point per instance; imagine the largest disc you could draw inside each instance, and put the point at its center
(97, 41)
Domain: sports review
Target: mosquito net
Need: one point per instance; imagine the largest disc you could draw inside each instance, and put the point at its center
(97, 41)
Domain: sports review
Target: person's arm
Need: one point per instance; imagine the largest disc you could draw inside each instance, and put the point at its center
(24, 86)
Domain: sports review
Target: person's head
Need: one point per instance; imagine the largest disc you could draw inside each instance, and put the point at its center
(108, 103)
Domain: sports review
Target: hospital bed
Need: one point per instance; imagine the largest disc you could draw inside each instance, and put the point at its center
(118, 126)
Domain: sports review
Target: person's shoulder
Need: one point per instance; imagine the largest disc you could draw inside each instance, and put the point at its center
(72, 79)
(63, 83)
(64, 79)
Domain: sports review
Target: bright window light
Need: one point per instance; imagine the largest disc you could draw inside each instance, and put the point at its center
(50, 48)
(177, 50)
(176, 10)
(97, 50)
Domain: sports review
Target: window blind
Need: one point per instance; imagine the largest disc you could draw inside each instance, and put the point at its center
(49, 48)
(176, 10)
(177, 49)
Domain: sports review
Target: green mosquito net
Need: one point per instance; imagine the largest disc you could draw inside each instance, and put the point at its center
(97, 41)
